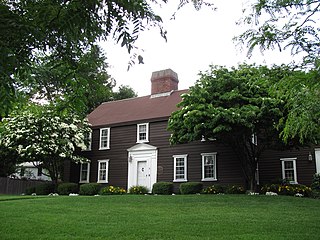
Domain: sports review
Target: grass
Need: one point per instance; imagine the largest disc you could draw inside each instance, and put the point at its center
(159, 217)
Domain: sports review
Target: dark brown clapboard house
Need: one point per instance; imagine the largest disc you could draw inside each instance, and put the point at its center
(130, 146)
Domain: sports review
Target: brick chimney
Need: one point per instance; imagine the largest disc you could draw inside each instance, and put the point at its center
(164, 81)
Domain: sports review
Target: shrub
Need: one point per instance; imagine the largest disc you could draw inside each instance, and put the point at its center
(44, 188)
(67, 188)
(191, 187)
(89, 189)
(30, 190)
(287, 189)
(214, 189)
(138, 190)
(165, 188)
(111, 190)
(315, 186)
(235, 189)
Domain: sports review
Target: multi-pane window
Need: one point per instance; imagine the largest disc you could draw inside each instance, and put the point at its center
(84, 172)
(209, 169)
(142, 132)
(180, 168)
(104, 138)
(103, 166)
(289, 171)
(88, 140)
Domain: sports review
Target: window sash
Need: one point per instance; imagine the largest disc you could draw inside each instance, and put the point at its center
(88, 139)
(289, 170)
(180, 168)
(104, 138)
(84, 172)
(103, 166)
(142, 132)
(209, 167)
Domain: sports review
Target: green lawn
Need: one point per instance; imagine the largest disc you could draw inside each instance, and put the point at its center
(159, 217)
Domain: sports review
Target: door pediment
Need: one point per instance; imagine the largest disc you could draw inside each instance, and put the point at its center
(141, 147)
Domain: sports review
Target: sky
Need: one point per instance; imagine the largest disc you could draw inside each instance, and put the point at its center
(196, 39)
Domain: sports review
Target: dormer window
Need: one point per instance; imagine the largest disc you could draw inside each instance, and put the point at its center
(143, 133)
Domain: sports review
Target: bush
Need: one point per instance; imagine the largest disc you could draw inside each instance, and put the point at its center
(165, 188)
(191, 187)
(287, 189)
(90, 189)
(67, 188)
(138, 190)
(315, 186)
(235, 189)
(214, 189)
(30, 190)
(45, 189)
(111, 190)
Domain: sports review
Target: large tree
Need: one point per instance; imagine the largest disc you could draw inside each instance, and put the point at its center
(41, 135)
(281, 24)
(234, 107)
(65, 30)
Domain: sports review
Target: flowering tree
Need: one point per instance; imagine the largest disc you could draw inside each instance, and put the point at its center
(43, 135)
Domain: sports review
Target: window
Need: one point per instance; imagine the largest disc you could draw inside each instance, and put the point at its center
(104, 138)
(88, 140)
(84, 172)
(254, 139)
(209, 169)
(39, 171)
(180, 168)
(289, 171)
(143, 133)
(103, 166)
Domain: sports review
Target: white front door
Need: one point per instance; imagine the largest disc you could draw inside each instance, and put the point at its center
(317, 155)
(142, 166)
(143, 174)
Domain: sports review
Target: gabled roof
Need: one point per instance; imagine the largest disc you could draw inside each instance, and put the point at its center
(135, 109)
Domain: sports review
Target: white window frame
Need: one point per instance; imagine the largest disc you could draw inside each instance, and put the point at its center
(88, 173)
(283, 160)
(106, 170)
(101, 147)
(175, 157)
(147, 133)
(254, 139)
(214, 155)
(89, 142)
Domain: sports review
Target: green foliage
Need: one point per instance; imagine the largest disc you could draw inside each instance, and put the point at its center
(124, 92)
(191, 187)
(30, 190)
(214, 189)
(287, 189)
(163, 188)
(138, 190)
(111, 190)
(315, 186)
(89, 189)
(45, 189)
(235, 189)
(67, 188)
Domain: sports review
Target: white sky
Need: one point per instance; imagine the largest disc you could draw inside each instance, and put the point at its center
(196, 39)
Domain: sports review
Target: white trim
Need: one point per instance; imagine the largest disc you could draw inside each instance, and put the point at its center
(107, 170)
(184, 156)
(90, 142)
(283, 160)
(214, 155)
(147, 133)
(317, 159)
(108, 140)
(88, 173)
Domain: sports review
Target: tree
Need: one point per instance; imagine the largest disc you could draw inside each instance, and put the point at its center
(233, 107)
(285, 24)
(124, 92)
(65, 30)
(41, 134)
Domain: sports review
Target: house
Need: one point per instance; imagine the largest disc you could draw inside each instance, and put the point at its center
(31, 170)
(129, 146)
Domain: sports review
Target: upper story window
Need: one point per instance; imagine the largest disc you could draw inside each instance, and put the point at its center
(180, 168)
(143, 133)
(84, 172)
(209, 167)
(104, 138)
(103, 166)
(289, 170)
(88, 140)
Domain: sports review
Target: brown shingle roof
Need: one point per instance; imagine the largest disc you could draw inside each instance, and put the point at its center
(135, 109)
